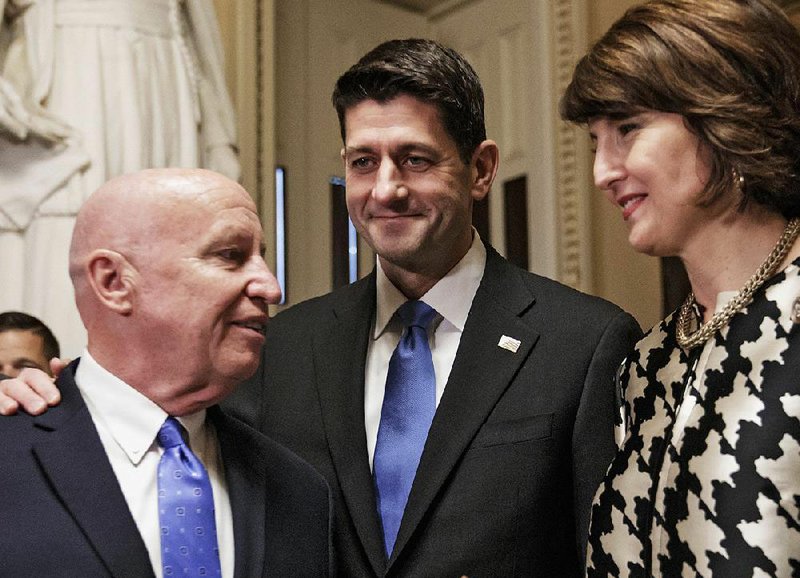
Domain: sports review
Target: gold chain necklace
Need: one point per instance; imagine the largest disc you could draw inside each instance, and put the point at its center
(691, 340)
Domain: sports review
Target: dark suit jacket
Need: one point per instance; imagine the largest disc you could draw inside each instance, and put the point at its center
(518, 445)
(63, 514)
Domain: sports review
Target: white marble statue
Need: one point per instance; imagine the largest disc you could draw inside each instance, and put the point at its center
(90, 89)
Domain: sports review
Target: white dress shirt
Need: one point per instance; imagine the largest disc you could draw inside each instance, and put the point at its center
(127, 423)
(451, 297)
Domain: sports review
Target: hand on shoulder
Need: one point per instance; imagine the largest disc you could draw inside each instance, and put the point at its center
(32, 390)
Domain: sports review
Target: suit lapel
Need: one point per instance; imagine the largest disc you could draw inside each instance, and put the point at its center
(481, 372)
(245, 476)
(340, 347)
(72, 456)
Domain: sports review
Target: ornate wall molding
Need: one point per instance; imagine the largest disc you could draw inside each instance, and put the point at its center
(574, 242)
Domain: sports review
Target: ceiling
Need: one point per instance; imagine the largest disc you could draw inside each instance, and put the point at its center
(421, 6)
(428, 8)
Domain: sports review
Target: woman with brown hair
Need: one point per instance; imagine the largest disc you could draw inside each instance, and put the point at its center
(694, 110)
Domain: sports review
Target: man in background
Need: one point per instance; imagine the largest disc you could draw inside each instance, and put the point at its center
(137, 472)
(25, 341)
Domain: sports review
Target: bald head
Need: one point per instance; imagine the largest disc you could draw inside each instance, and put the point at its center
(168, 264)
(129, 213)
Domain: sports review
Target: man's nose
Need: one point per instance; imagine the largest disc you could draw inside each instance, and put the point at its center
(389, 185)
(264, 285)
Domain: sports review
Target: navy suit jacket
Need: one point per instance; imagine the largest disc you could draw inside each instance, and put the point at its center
(62, 512)
(518, 445)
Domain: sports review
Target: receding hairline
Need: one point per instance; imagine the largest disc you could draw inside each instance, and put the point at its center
(147, 190)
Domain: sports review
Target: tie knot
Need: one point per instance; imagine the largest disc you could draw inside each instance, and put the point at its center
(416, 314)
(170, 434)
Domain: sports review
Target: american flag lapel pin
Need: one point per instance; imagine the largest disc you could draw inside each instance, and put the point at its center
(509, 343)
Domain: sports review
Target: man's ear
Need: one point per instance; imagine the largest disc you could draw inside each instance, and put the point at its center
(485, 160)
(111, 277)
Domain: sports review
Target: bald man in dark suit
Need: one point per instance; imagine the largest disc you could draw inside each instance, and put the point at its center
(81, 495)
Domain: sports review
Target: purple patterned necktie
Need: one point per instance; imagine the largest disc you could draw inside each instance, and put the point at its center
(409, 403)
(185, 509)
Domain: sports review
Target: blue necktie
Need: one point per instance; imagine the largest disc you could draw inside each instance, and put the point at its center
(409, 403)
(185, 509)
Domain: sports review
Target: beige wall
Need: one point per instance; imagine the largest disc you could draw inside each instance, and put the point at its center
(251, 89)
(621, 275)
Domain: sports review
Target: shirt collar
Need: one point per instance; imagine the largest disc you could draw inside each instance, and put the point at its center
(451, 296)
(132, 419)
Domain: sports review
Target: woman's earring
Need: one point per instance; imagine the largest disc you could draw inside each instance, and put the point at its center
(738, 180)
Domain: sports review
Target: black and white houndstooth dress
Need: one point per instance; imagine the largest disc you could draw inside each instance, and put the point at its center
(707, 478)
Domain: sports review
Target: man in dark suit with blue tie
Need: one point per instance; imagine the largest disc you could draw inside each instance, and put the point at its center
(172, 287)
(523, 400)
(485, 463)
